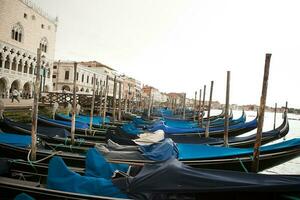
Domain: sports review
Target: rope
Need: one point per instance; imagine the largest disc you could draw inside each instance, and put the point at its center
(47, 157)
(242, 164)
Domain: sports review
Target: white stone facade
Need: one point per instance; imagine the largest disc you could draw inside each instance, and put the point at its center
(63, 77)
(23, 28)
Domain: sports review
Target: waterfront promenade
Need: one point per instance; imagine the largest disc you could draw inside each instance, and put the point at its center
(24, 103)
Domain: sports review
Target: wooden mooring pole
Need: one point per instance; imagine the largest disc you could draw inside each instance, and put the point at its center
(149, 105)
(105, 100)
(209, 107)
(114, 99)
(226, 122)
(184, 102)
(100, 100)
(199, 110)
(35, 105)
(120, 102)
(74, 106)
(195, 106)
(93, 103)
(256, 152)
(275, 111)
(203, 105)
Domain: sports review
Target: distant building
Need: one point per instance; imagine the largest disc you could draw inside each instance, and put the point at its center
(24, 27)
(63, 77)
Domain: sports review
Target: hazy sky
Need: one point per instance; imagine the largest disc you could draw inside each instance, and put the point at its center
(180, 45)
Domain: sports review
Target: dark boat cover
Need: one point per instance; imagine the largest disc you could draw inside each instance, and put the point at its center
(41, 130)
(172, 176)
(61, 178)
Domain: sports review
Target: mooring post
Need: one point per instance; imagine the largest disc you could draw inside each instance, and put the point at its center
(195, 106)
(114, 99)
(275, 111)
(184, 102)
(35, 106)
(149, 105)
(74, 106)
(203, 105)
(226, 122)
(2, 107)
(199, 110)
(256, 152)
(105, 100)
(100, 101)
(209, 107)
(120, 101)
(93, 103)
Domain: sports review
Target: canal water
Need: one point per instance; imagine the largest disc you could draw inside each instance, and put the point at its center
(292, 166)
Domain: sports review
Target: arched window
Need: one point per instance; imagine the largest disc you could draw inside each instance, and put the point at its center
(17, 32)
(44, 44)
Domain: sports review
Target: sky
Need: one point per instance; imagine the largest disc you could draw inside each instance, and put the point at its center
(180, 45)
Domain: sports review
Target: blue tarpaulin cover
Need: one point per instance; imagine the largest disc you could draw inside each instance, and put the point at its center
(65, 123)
(61, 178)
(130, 128)
(164, 150)
(15, 139)
(174, 130)
(85, 119)
(97, 166)
(23, 196)
(196, 151)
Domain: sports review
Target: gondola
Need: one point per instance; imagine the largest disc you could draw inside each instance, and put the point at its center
(121, 137)
(96, 123)
(205, 156)
(81, 128)
(216, 123)
(50, 134)
(234, 130)
(221, 115)
(170, 179)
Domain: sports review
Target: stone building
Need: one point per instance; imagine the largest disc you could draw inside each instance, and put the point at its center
(63, 77)
(24, 27)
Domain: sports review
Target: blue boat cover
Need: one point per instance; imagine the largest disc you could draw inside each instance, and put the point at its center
(23, 196)
(85, 119)
(131, 129)
(61, 178)
(15, 139)
(97, 166)
(164, 150)
(196, 151)
(96, 119)
(78, 125)
(174, 130)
